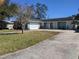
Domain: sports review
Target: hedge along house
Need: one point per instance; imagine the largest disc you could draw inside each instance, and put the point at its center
(57, 23)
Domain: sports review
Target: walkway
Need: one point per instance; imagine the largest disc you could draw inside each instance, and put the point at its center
(63, 46)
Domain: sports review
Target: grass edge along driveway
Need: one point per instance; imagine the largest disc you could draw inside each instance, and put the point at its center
(13, 42)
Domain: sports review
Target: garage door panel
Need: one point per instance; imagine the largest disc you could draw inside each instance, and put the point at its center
(33, 26)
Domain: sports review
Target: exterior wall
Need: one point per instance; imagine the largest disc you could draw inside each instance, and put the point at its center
(46, 24)
(69, 25)
(63, 24)
(55, 26)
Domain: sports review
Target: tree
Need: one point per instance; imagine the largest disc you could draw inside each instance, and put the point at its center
(75, 20)
(25, 14)
(29, 12)
(12, 10)
(8, 10)
(77, 17)
(40, 10)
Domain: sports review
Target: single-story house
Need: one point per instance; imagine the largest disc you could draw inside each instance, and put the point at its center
(6, 25)
(57, 23)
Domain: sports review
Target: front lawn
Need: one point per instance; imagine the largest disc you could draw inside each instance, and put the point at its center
(6, 31)
(13, 42)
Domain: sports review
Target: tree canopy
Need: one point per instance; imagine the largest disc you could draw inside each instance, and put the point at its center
(40, 10)
(8, 10)
(30, 12)
(77, 17)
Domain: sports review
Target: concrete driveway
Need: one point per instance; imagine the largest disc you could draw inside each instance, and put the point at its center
(63, 46)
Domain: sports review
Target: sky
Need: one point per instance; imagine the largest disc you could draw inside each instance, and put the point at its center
(56, 8)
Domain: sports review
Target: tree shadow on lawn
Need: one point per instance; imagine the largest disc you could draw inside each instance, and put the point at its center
(9, 33)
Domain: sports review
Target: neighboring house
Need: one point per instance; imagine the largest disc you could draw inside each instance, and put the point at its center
(58, 23)
(6, 25)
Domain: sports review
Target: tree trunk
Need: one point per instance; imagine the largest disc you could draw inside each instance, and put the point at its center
(22, 31)
(22, 28)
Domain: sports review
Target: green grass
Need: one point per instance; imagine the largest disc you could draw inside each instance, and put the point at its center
(13, 42)
(6, 30)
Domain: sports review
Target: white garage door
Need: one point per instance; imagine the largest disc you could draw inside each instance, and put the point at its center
(33, 26)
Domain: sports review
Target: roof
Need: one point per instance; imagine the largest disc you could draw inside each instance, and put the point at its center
(54, 19)
(59, 19)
